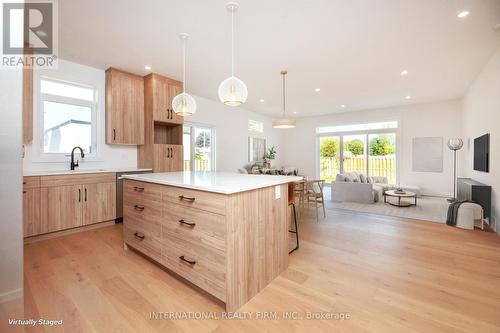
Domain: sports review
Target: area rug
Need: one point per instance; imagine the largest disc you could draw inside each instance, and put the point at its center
(432, 209)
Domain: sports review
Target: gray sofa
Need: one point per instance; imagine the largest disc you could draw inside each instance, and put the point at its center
(356, 187)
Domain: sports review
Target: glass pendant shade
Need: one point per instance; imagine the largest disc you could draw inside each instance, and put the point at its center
(284, 123)
(184, 104)
(233, 92)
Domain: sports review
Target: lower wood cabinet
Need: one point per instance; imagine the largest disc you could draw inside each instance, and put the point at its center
(57, 203)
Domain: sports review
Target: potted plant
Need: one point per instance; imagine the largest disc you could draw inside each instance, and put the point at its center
(270, 155)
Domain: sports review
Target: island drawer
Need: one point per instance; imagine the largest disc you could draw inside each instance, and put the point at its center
(195, 225)
(207, 201)
(201, 265)
(31, 182)
(143, 236)
(142, 192)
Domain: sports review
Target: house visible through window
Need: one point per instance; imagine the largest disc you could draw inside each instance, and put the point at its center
(255, 126)
(199, 147)
(68, 117)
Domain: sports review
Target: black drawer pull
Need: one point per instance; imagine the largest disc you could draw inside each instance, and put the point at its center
(191, 262)
(181, 197)
(24, 192)
(139, 207)
(138, 189)
(187, 223)
(139, 236)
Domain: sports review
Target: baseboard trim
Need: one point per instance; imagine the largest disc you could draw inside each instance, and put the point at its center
(37, 238)
(11, 295)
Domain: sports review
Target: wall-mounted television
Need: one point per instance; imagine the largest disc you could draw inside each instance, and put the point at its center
(482, 153)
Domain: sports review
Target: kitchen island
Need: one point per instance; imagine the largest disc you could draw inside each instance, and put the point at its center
(225, 233)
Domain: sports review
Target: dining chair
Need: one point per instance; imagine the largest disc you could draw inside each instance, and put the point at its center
(314, 194)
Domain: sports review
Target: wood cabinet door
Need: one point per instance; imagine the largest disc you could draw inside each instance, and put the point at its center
(162, 109)
(31, 212)
(99, 203)
(161, 158)
(124, 108)
(177, 158)
(61, 207)
(174, 89)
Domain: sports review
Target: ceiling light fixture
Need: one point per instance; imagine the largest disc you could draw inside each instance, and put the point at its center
(261, 100)
(463, 14)
(317, 90)
(148, 68)
(408, 97)
(184, 104)
(232, 91)
(342, 106)
(284, 121)
(404, 72)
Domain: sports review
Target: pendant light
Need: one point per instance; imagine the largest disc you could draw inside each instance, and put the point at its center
(284, 121)
(184, 104)
(232, 91)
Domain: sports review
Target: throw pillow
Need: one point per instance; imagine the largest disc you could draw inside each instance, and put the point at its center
(369, 180)
(362, 177)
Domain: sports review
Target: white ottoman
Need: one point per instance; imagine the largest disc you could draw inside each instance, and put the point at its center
(470, 215)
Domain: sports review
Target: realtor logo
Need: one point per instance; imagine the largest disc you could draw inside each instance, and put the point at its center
(29, 36)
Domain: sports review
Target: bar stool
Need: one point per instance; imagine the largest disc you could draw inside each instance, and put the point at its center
(291, 202)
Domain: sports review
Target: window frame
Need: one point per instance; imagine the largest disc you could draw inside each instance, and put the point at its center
(46, 97)
(213, 139)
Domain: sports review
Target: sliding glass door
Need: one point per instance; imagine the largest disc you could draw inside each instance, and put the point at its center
(368, 148)
(199, 152)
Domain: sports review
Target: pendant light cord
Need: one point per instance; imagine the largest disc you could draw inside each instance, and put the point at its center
(184, 66)
(232, 41)
(284, 93)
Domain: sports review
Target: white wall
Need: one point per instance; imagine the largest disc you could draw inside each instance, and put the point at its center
(109, 156)
(231, 126)
(481, 115)
(11, 226)
(424, 120)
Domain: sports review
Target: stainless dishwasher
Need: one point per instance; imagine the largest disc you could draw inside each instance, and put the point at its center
(119, 193)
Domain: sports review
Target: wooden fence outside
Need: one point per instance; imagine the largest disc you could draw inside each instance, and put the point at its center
(378, 166)
(200, 165)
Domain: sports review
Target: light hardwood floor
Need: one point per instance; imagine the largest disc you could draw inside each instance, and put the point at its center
(388, 274)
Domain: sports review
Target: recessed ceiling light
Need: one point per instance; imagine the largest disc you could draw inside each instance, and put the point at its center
(342, 106)
(408, 97)
(261, 100)
(317, 90)
(148, 68)
(463, 14)
(404, 72)
(294, 112)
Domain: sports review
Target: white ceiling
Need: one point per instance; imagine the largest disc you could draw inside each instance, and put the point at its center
(353, 50)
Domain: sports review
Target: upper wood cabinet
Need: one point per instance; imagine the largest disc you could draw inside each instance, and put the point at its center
(124, 108)
(27, 105)
(159, 92)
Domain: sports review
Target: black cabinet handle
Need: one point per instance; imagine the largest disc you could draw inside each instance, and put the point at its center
(24, 192)
(139, 207)
(79, 195)
(191, 262)
(187, 223)
(181, 197)
(139, 236)
(171, 152)
(114, 134)
(85, 194)
(138, 189)
(24, 183)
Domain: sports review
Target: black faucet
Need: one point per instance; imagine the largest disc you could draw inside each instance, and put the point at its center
(73, 164)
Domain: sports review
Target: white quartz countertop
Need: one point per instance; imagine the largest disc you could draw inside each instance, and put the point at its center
(78, 171)
(218, 182)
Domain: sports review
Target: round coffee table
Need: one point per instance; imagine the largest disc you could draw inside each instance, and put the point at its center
(407, 194)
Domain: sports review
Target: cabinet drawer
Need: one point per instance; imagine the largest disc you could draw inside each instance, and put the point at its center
(211, 202)
(144, 238)
(142, 193)
(207, 269)
(77, 179)
(195, 226)
(31, 182)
